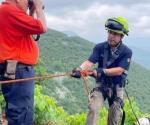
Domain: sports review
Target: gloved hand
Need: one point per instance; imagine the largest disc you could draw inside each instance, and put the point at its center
(76, 73)
(100, 72)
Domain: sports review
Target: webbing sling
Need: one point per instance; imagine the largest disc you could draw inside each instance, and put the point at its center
(123, 117)
(105, 58)
(107, 63)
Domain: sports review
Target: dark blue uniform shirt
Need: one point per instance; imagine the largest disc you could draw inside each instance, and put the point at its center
(123, 60)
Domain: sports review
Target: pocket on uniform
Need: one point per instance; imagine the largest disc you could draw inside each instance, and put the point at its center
(7, 89)
(25, 72)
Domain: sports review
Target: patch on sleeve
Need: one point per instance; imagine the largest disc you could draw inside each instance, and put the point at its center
(129, 60)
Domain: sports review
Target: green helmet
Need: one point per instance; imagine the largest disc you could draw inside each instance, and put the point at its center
(118, 25)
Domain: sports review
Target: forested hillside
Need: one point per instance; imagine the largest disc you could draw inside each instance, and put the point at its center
(60, 53)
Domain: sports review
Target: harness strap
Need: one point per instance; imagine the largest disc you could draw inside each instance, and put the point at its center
(105, 56)
(106, 62)
(123, 118)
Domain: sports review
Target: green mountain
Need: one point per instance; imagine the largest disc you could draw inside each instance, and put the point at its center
(61, 53)
(139, 56)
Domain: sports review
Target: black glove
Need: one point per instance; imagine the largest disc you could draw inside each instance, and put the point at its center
(76, 73)
(100, 72)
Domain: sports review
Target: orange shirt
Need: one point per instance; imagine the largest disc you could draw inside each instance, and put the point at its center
(16, 28)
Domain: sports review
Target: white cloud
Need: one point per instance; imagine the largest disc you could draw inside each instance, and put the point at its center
(89, 23)
(143, 23)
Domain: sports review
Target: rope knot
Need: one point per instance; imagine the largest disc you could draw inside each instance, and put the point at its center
(86, 73)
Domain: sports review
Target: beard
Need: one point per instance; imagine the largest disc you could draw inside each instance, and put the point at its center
(113, 43)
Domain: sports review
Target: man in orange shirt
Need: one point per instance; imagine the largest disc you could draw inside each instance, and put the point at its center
(19, 51)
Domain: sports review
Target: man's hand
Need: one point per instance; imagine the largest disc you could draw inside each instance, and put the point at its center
(93, 74)
(100, 72)
(76, 73)
(97, 72)
(32, 10)
(38, 4)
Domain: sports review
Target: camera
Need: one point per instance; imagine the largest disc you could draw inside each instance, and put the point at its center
(30, 3)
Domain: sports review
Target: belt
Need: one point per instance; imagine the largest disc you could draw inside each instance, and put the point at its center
(23, 65)
(19, 64)
(109, 85)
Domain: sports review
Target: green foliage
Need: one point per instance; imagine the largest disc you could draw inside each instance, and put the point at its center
(39, 69)
(129, 114)
(2, 103)
(138, 86)
(130, 118)
(77, 119)
(47, 112)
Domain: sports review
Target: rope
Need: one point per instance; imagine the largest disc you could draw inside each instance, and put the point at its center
(34, 78)
(84, 74)
(130, 103)
(85, 83)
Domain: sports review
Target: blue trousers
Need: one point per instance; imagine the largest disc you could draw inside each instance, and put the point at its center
(19, 97)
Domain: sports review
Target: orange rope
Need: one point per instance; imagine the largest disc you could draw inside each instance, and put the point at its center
(84, 74)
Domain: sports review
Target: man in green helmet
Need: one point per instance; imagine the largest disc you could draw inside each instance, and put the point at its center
(113, 58)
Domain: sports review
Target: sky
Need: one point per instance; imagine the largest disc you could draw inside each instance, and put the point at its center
(87, 17)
